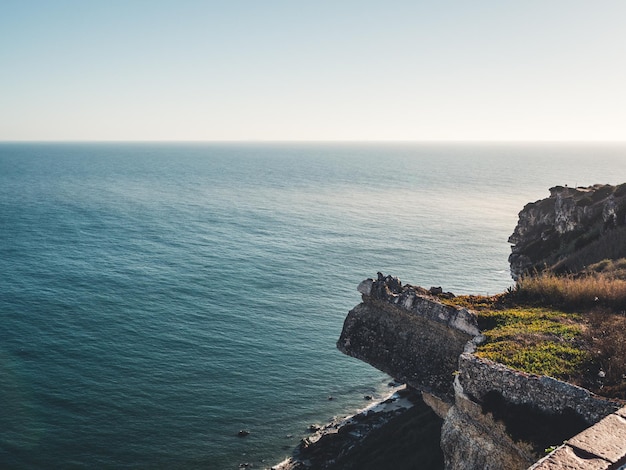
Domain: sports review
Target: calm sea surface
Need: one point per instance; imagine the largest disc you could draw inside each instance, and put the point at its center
(157, 298)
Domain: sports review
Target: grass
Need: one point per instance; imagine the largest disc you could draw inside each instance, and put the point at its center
(567, 327)
(536, 340)
(601, 285)
(509, 322)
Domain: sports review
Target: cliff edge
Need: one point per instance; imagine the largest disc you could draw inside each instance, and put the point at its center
(406, 333)
(494, 417)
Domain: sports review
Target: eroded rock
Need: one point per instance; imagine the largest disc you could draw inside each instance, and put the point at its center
(563, 232)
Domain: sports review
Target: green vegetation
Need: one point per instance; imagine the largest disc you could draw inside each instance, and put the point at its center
(544, 358)
(569, 327)
(507, 323)
(536, 340)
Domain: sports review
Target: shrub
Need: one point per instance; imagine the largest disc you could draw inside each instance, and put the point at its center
(606, 337)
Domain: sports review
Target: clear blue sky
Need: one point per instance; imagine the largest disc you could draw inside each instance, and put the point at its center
(313, 70)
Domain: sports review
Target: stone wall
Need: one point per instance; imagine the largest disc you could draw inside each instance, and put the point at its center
(471, 439)
(480, 377)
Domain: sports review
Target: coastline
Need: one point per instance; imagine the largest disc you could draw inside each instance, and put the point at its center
(346, 443)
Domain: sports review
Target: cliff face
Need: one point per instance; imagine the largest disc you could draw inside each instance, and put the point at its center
(402, 331)
(494, 417)
(571, 229)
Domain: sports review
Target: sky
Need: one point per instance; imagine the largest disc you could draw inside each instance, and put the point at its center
(295, 70)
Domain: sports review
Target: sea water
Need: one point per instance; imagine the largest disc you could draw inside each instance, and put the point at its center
(155, 299)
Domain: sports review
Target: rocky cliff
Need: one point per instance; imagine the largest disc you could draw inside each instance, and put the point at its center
(404, 332)
(491, 416)
(494, 417)
(571, 229)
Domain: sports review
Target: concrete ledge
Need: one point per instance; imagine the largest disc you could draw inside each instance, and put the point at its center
(602, 446)
(566, 458)
(607, 439)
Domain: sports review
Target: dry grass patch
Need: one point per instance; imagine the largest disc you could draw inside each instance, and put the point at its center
(606, 339)
(573, 292)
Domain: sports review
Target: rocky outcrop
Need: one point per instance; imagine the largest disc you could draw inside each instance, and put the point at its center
(494, 417)
(405, 332)
(493, 384)
(571, 229)
(374, 438)
(472, 440)
(503, 418)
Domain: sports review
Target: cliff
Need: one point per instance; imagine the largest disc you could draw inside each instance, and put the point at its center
(494, 417)
(570, 230)
(402, 331)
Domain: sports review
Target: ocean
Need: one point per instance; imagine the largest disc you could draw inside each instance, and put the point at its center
(156, 298)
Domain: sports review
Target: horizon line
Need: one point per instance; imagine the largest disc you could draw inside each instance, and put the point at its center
(318, 141)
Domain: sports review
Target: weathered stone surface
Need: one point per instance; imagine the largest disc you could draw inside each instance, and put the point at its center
(480, 377)
(410, 348)
(602, 446)
(495, 417)
(389, 290)
(407, 333)
(607, 439)
(550, 230)
(565, 458)
(365, 287)
(471, 440)
(440, 407)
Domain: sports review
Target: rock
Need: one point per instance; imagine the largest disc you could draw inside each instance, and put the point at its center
(368, 439)
(435, 290)
(569, 230)
(494, 417)
(243, 433)
(409, 335)
(368, 397)
(365, 287)
(314, 427)
(566, 458)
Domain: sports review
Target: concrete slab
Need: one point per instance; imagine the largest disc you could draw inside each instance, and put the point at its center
(606, 439)
(621, 412)
(564, 458)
